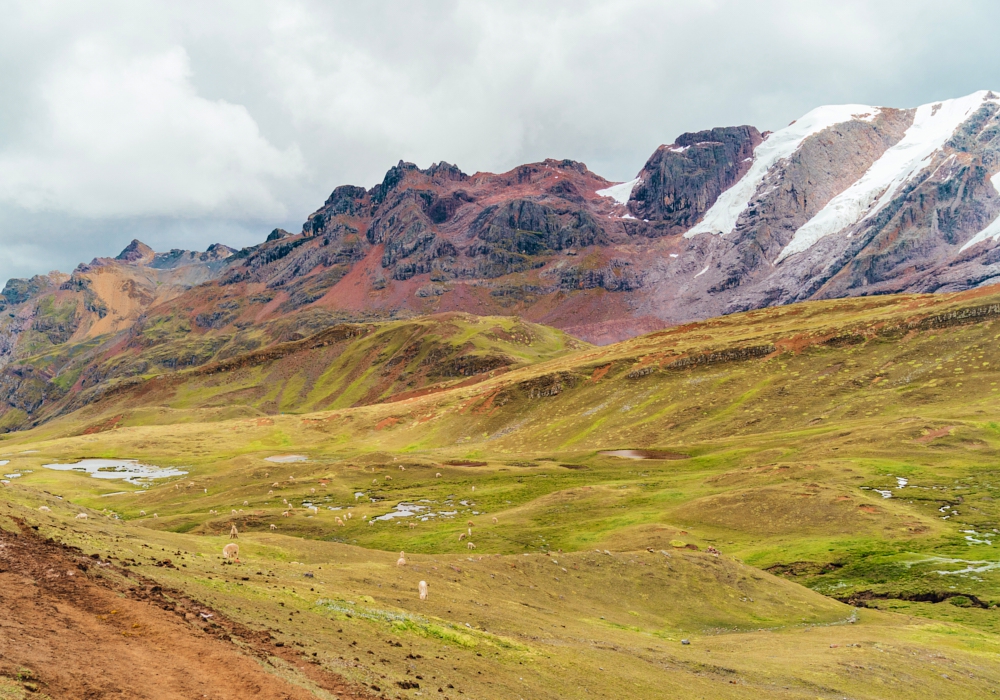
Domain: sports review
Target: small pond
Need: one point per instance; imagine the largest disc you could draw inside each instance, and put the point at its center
(402, 510)
(130, 470)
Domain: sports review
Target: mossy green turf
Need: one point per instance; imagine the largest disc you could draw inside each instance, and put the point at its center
(784, 453)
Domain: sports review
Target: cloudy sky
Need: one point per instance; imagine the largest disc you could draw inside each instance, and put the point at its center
(186, 123)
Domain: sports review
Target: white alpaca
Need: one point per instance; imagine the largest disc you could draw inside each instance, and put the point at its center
(471, 546)
(233, 534)
(461, 536)
(81, 516)
(45, 509)
(246, 503)
(422, 587)
(402, 560)
(231, 551)
(142, 513)
(494, 520)
(273, 526)
(438, 475)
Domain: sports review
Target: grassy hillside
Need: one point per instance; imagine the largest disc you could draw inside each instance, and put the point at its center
(837, 454)
(290, 366)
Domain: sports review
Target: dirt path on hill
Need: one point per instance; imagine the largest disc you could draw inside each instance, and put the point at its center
(75, 627)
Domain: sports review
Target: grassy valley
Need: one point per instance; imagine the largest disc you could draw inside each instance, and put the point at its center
(813, 484)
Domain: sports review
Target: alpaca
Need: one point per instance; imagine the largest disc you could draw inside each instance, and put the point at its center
(231, 551)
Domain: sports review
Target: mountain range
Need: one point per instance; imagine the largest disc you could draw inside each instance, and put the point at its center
(848, 200)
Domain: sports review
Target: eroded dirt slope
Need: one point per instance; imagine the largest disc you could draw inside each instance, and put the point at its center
(74, 627)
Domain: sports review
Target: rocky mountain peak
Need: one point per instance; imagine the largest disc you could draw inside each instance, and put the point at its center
(136, 253)
(277, 234)
(217, 251)
(682, 180)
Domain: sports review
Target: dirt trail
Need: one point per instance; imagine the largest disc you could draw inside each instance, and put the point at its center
(85, 631)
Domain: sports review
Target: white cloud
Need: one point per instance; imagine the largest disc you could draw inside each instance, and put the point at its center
(129, 135)
(187, 123)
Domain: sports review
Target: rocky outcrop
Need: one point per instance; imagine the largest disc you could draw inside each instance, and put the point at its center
(681, 181)
(420, 232)
(18, 291)
(136, 253)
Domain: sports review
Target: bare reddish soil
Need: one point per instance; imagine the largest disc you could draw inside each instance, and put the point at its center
(75, 627)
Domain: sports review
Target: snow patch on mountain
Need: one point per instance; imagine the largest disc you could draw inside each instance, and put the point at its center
(991, 231)
(620, 193)
(932, 125)
(721, 218)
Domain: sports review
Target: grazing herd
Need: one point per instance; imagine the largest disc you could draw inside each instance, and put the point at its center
(231, 551)
(340, 522)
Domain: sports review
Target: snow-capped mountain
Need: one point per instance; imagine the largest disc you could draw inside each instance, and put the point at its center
(848, 200)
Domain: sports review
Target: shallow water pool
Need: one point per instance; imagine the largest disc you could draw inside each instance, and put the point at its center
(130, 470)
(402, 510)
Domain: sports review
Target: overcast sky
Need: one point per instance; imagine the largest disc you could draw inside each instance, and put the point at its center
(187, 123)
